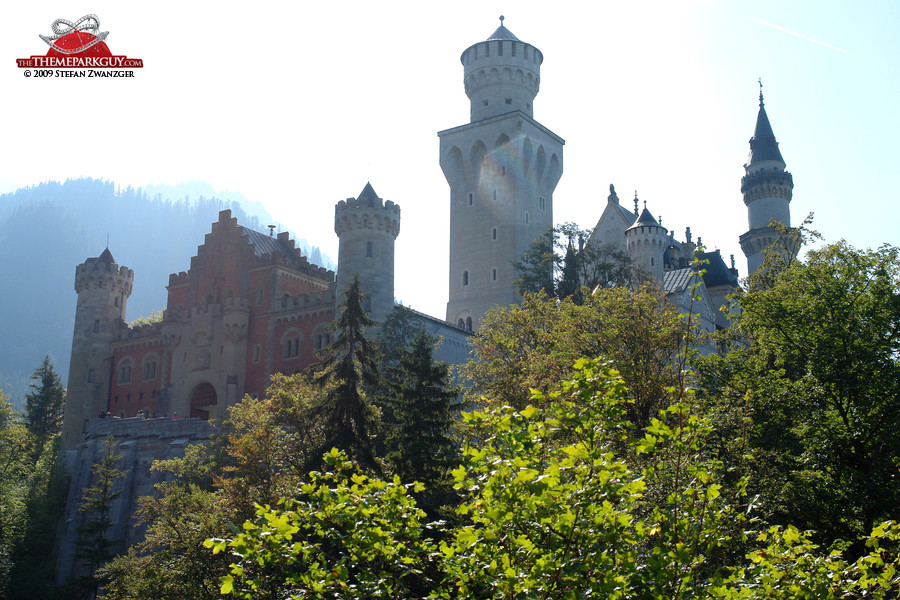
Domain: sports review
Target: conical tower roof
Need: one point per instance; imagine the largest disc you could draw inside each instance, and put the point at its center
(106, 257)
(502, 33)
(368, 194)
(645, 220)
(763, 145)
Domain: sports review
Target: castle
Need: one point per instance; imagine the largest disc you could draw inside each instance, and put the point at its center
(251, 305)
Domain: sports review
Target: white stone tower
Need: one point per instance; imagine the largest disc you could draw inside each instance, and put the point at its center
(367, 227)
(767, 188)
(103, 288)
(502, 168)
(646, 242)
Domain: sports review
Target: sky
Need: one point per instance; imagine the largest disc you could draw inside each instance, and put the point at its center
(297, 105)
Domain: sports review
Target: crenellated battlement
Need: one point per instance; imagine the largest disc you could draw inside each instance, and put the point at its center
(325, 298)
(93, 274)
(368, 212)
(767, 178)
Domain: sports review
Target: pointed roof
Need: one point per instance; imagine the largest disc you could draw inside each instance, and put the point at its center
(106, 257)
(368, 194)
(763, 145)
(645, 220)
(502, 33)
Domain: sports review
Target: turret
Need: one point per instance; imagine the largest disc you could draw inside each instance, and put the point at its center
(103, 288)
(767, 189)
(502, 168)
(646, 242)
(502, 74)
(367, 227)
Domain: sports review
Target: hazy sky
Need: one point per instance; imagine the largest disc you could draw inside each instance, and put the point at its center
(297, 105)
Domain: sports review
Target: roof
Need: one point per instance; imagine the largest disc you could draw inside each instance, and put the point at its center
(502, 33)
(678, 280)
(645, 220)
(368, 194)
(763, 145)
(106, 257)
(717, 272)
(265, 244)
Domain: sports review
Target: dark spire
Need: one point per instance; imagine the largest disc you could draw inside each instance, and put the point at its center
(763, 145)
(645, 220)
(502, 33)
(106, 257)
(368, 194)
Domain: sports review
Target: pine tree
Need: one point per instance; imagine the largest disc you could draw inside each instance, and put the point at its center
(349, 374)
(94, 546)
(44, 405)
(569, 283)
(419, 442)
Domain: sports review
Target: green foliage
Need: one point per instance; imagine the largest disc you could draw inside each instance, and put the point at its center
(817, 390)
(47, 489)
(533, 345)
(44, 405)
(94, 546)
(557, 511)
(171, 562)
(565, 501)
(562, 262)
(32, 498)
(348, 416)
(348, 536)
(155, 316)
(419, 443)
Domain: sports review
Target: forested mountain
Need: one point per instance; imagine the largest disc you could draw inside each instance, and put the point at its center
(48, 229)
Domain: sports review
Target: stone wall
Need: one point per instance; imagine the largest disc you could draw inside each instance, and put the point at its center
(138, 442)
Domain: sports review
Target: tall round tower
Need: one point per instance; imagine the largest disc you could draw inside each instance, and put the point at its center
(501, 74)
(646, 243)
(367, 227)
(103, 288)
(767, 189)
(502, 168)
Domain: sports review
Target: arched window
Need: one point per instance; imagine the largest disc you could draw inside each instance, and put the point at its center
(148, 373)
(290, 344)
(465, 279)
(461, 324)
(124, 372)
(469, 323)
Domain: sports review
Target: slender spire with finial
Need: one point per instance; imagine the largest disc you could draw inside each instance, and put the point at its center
(760, 93)
(635, 203)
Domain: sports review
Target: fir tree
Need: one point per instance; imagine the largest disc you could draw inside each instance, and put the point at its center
(419, 442)
(348, 417)
(44, 405)
(94, 546)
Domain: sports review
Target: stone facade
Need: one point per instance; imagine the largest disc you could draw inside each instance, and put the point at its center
(502, 168)
(251, 305)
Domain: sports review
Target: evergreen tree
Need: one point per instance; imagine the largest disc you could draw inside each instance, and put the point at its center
(569, 282)
(350, 373)
(94, 546)
(44, 405)
(419, 442)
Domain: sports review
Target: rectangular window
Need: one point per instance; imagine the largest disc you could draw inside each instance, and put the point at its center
(368, 248)
(96, 325)
(471, 199)
(256, 353)
(259, 296)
